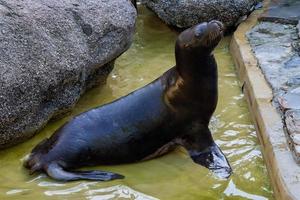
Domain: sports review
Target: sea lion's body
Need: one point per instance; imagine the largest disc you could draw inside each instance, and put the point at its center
(173, 110)
(126, 130)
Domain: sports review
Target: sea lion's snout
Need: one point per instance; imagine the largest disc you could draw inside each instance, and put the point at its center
(209, 33)
(216, 30)
(217, 25)
(204, 29)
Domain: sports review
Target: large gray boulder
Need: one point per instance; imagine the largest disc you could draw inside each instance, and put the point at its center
(51, 52)
(186, 13)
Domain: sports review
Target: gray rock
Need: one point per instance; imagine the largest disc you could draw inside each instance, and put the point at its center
(293, 81)
(294, 62)
(296, 152)
(50, 53)
(296, 138)
(275, 43)
(290, 100)
(292, 122)
(272, 44)
(282, 11)
(186, 13)
(296, 46)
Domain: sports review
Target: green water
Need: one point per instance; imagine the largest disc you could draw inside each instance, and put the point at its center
(171, 177)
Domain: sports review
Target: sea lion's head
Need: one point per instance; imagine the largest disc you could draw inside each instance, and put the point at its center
(203, 37)
(194, 46)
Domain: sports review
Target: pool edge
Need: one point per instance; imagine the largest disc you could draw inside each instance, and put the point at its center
(280, 163)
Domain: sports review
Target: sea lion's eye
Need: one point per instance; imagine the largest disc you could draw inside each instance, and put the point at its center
(200, 29)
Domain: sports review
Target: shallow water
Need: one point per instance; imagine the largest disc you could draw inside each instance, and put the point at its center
(171, 177)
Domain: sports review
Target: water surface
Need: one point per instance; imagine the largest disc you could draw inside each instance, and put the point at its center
(171, 177)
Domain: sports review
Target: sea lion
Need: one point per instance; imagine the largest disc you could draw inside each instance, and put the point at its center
(175, 109)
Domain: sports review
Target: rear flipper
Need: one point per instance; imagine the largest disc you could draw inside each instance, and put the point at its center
(58, 173)
(204, 151)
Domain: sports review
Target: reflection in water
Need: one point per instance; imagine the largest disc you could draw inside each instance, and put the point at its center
(232, 190)
(16, 191)
(117, 192)
(173, 176)
(114, 192)
(78, 188)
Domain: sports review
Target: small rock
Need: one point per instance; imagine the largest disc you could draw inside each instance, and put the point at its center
(294, 62)
(282, 11)
(296, 46)
(296, 138)
(271, 43)
(292, 121)
(290, 100)
(296, 90)
(293, 81)
(296, 151)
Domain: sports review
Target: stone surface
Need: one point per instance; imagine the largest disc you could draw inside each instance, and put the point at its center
(290, 100)
(186, 13)
(282, 168)
(51, 52)
(283, 11)
(272, 44)
(276, 47)
(295, 138)
(292, 122)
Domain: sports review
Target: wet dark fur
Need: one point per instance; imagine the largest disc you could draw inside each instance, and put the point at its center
(173, 110)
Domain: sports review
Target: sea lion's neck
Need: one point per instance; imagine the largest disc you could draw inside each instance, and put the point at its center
(194, 65)
(196, 83)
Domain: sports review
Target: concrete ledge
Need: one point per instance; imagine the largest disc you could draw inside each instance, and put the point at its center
(283, 171)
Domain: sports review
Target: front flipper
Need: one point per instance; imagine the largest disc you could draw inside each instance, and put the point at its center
(212, 158)
(204, 151)
(57, 172)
